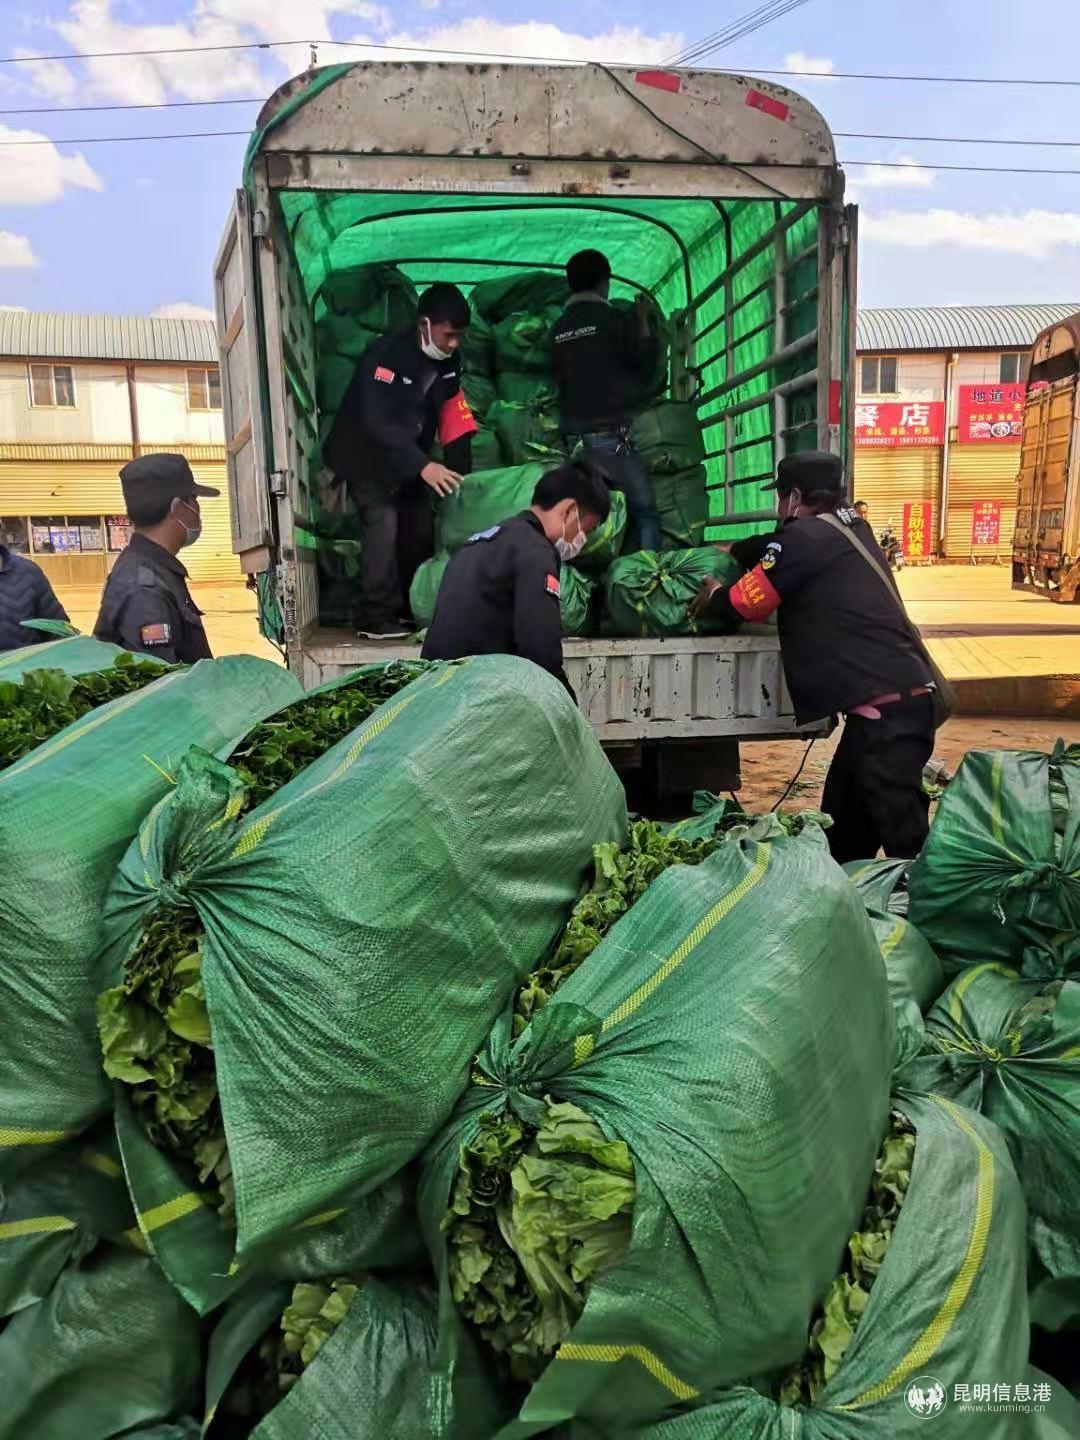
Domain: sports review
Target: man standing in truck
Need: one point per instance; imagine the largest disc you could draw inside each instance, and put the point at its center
(848, 649)
(405, 394)
(603, 359)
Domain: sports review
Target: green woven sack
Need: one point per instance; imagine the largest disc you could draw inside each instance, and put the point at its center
(531, 388)
(424, 590)
(485, 498)
(999, 875)
(661, 329)
(915, 974)
(1010, 1047)
(525, 430)
(74, 655)
(377, 297)
(648, 593)
(948, 1308)
(575, 599)
(521, 291)
(68, 810)
(734, 1030)
(487, 452)
(56, 1211)
(682, 503)
(881, 883)
(523, 342)
(604, 543)
(478, 346)
(392, 881)
(112, 1348)
(480, 393)
(668, 437)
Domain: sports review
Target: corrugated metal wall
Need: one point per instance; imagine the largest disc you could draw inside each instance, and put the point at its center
(889, 478)
(980, 472)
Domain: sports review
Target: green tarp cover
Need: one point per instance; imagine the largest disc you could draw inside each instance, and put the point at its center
(75, 655)
(648, 593)
(112, 1348)
(366, 924)
(485, 498)
(1010, 1047)
(948, 1302)
(999, 875)
(734, 1029)
(68, 810)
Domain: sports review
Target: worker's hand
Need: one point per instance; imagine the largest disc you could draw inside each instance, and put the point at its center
(700, 602)
(443, 481)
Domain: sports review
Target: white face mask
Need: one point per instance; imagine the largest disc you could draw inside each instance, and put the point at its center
(428, 346)
(191, 532)
(790, 511)
(568, 550)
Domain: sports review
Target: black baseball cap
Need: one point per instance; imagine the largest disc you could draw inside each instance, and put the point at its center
(163, 476)
(809, 472)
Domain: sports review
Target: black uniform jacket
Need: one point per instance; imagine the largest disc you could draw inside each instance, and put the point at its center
(146, 606)
(842, 639)
(602, 363)
(25, 594)
(500, 596)
(397, 404)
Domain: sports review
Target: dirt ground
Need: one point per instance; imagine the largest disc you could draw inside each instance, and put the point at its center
(767, 767)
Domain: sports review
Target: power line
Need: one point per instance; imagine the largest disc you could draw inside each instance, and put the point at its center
(128, 139)
(157, 105)
(537, 59)
(948, 139)
(736, 30)
(976, 169)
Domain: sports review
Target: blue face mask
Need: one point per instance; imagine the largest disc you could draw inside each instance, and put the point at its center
(191, 532)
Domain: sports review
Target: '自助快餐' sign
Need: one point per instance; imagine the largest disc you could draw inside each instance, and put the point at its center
(916, 542)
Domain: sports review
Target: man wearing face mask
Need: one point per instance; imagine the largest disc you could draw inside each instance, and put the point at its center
(405, 394)
(146, 606)
(848, 649)
(500, 592)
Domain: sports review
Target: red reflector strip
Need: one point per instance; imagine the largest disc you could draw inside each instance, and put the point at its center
(834, 402)
(659, 80)
(758, 100)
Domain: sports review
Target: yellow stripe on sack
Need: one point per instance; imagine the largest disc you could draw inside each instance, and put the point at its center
(108, 712)
(252, 836)
(583, 1048)
(233, 806)
(612, 1354)
(895, 935)
(12, 1139)
(929, 1342)
(995, 799)
(103, 1164)
(40, 1225)
(322, 1219)
(160, 1215)
(719, 912)
(137, 1240)
(968, 979)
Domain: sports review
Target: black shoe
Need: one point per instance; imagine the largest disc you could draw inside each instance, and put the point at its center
(389, 631)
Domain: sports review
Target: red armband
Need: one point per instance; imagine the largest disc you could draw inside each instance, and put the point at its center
(456, 420)
(754, 597)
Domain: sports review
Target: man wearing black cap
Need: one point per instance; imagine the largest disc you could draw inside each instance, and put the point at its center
(146, 605)
(848, 648)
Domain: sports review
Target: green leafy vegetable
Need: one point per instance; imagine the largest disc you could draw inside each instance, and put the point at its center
(154, 1028)
(834, 1328)
(46, 701)
(307, 1322)
(533, 1218)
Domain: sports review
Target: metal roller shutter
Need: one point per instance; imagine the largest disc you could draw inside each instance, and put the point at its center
(980, 472)
(890, 478)
(212, 558)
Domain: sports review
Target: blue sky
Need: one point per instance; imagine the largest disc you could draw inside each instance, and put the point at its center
(131, 228)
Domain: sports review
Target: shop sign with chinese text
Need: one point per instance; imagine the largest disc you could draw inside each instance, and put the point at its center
(990, 412)
(916, 544)
(986, 522)
(907, 422)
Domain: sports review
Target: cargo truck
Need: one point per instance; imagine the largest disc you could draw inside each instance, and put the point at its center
(718, 193)
(1046, 542)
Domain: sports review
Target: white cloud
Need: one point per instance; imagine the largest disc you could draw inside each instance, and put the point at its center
(51, 77)
(533, 38)
(182, 310)
(1035, 234)
(430, 4)
(808, 64)
(904, 174)
(19, 309)
(16, 253)
(37, 173)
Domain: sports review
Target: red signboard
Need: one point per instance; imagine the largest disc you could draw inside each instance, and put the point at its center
(986, 522)
(990, 412)
(900, 422)
(916, 541)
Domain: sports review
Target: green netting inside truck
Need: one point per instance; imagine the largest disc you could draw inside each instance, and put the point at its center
(677, 250)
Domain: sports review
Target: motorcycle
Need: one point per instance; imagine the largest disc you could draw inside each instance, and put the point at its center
(891, 548)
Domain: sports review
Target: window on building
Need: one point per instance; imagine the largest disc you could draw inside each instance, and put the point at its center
(67, 534)
(204, 388)
(52, 387)
(1015, 367)
(119, 531)
(14, 533)
(877, 375)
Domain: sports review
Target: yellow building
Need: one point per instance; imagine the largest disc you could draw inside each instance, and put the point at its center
(80, 395)
(938, 413)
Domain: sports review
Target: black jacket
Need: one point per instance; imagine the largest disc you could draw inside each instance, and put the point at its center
(500, 596)
(397, 404)
(146, 606)
(842, 639)
(25, 594)
(602, 362)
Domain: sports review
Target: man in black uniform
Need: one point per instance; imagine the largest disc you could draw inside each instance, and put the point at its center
(25, 594)
(847, 648)
(500, 592)
(603, 359)
(405, 394)
(146, 605)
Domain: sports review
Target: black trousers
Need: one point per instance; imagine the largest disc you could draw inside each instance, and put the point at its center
(873, 790)
(397, 534)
